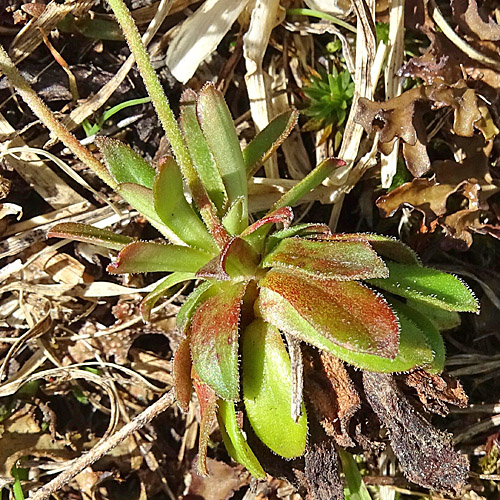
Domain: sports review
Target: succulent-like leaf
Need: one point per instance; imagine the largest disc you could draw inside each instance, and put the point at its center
(182, 374)
(413, 348)
(220, 133)
(320, 231)
(430, 332)
(268, 140)
(428, 285)
(343, 312)
(387, 246)
(237, 260)
(200, 152)
(89, 234)
(163, 289)
(214, 340)
(234, 440)
(175, 212)
(340, 260)
(233, 219)
(208, 408)
(267, 391)
(149, 257)
(124, 164)
(442, 319)
(193, 300)
(308, 183)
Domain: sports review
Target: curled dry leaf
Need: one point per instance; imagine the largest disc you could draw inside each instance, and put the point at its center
(333, 397)
(401, 117)
(437, 391)
(471, 178)
(467, 16)
(427, 456)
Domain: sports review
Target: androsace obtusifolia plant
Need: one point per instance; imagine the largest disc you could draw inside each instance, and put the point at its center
(362, 298)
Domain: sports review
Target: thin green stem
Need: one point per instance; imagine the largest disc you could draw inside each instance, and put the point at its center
(167, 119)
(50, 121)
(321, 15)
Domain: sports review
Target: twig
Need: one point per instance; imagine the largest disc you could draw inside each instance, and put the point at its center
(105, 447)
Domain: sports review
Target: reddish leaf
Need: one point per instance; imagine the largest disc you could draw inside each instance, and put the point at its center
(344, 312)
(148, 257)
(214, 340)
(340, 260)
(208, 407)
(182, 375)
(282, 215)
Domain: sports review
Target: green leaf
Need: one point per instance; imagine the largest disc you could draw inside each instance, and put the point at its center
(387, 246)
(200, 293)
(343, 312)
(200, 152)
(413, 348)
(149, 257)
(428, 285)
(234, 440)
(141, 198)
(162, 290)
(220, 133)
(429, 331)
(308, 183)
(214, 340)
(267, 391)
(89, 234)
(268, 140)
(181, 367)
(340, 260)
(354, 481)
(235, 217)
(175, 212)
(321, 231)
(208, 408)
(442, 319)
(124, 164)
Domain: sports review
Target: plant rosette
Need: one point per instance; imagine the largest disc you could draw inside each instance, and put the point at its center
(363, 298)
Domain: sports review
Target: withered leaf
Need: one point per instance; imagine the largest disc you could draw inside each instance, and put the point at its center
(436, 391)
(466, 15)
(427, 456)
(322, 472)
(334, 398)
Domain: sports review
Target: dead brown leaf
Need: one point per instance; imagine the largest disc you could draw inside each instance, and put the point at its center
(426, 455)
(467, 16)
(437, 391)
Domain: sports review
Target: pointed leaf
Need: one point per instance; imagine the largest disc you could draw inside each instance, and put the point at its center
(387, 246)
(340, 260)
(282, 215)
(89, 234)
(413, 348)
(148, 257)
(430, 332)
(355, 485)
(193, 300)
(320, 231)
(267, 391)
(175, 212)
(344, 312)
(220, 133)
(181, 368)
(234, 440)
(141, 198)
(235, 217)
(124, 164)
(428, 285)
(162, 290)
(208, 408)
(214, 340)
(200, 152)
(268, 140)
(308, 183)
